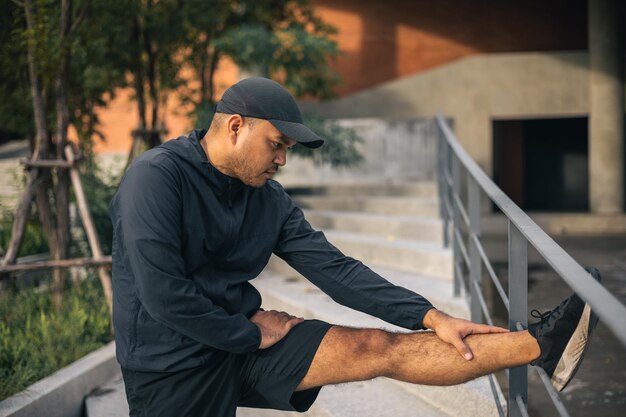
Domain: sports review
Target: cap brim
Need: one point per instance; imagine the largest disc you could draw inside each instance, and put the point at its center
(298, 132)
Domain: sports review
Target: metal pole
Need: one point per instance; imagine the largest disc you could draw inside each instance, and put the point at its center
(456, 217)
(440, 184)
(443, 172)
(474, 255)
(518, 298)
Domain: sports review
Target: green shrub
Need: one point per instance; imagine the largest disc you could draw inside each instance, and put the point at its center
(340, 143)
(34, 240)
(36, 340)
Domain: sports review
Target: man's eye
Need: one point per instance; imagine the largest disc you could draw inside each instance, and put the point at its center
(276, 145)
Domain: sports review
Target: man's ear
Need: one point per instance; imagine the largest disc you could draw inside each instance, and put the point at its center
(233, 124)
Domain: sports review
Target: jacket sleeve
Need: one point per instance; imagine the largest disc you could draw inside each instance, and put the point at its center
(150, 212)
(344, 279)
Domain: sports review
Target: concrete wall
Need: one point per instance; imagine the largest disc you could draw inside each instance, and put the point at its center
(475, 90)
(393, 150)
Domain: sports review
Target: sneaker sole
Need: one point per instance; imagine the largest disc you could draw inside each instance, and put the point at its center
(575, 350)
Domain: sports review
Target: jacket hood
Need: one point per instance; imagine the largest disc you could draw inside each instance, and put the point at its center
(189, 150)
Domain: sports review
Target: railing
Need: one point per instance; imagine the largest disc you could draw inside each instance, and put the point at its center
(522, 230)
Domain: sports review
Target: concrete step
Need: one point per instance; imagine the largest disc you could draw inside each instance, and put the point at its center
(389, 226)
(409, 255)
(408, 189)
(427, 207)
(439, 292)
(370, 398)
(376, 398)
(108, 400)
(299, 297)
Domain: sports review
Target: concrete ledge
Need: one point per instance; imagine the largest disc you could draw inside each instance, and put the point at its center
(62, 394)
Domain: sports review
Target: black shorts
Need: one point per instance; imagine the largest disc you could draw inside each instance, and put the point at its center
(263, 379)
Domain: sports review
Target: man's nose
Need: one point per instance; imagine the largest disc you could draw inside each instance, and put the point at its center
(281, 157)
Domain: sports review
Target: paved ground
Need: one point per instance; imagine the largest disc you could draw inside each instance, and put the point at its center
(599, 388)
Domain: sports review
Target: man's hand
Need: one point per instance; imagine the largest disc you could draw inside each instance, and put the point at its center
(274, 325)
(453, 330)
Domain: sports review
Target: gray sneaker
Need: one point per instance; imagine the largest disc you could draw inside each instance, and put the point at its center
(563, 335)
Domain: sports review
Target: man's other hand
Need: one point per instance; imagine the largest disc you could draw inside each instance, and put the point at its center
(274, 325)
(453, 330)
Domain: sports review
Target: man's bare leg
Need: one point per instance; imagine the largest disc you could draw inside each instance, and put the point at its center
(347, 354)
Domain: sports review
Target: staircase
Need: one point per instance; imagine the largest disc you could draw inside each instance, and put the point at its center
(395, 230)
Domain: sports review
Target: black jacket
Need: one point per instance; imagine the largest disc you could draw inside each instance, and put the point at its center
(187, 241)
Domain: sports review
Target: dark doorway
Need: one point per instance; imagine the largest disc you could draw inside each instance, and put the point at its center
(542, 164)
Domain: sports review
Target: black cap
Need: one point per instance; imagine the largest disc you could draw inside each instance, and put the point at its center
(263, 98)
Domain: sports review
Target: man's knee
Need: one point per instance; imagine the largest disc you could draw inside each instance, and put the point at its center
(371, 345)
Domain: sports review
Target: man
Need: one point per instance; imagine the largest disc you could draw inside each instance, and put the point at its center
(197, 218)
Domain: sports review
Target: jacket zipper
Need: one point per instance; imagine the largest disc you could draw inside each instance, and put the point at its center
(230, 201)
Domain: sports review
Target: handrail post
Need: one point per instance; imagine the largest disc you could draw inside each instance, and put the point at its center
(475, 266)
(456, 221)
(443, 184)
(518, 313)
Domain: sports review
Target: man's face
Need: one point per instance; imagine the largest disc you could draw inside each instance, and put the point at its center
(259, 151)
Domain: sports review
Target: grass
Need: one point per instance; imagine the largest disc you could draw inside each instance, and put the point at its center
(36, 340)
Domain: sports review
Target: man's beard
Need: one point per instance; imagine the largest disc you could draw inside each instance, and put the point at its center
(241, 168)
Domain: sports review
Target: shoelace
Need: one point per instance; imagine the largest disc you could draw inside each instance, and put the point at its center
(541, 316)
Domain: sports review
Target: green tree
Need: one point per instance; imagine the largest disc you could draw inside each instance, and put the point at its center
(72, 55)
(53, 66)
(279, 39)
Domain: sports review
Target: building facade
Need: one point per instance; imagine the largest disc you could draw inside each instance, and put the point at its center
(534, 89)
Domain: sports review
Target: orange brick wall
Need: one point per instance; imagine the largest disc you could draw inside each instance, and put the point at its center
(120, 117)
(383, 40)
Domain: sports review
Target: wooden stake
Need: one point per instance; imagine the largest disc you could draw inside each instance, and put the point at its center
(62, 263)
(90, 229)
(46, 163)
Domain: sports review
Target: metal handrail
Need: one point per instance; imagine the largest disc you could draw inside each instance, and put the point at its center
(522, 231)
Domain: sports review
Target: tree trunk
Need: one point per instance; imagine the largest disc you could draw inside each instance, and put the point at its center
(63, 116)
(63, 119)
(39, 146)
(138, 82)
(214, 59)
(41, 133)
(49, 222)
(43, 181)
(39, 103)
(153, 136)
